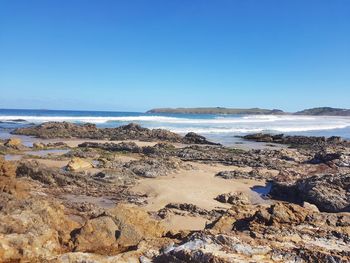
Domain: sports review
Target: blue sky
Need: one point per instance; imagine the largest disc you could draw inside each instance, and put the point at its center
(139, 54)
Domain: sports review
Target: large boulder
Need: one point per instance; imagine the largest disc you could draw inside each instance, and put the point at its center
(329, 192)
(14, 143)
(7, 169)
(78, 164)
(117, 230)
(194, 138)
(97, 235)
(151, 168)
(9, 187)
(237, 198)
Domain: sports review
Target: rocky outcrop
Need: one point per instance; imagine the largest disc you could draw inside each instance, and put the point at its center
(43, 174)
(276, 233)
(324, 157)
(50, 145)
(312, 142)
(236, 174)
(132, 131)
(329, 192)
(60, 181)
(118, 230)
(7, 169)
(113, 147)
(211, 247)
(31, 228)
(194, 138)
(149, 167)
(9, 187)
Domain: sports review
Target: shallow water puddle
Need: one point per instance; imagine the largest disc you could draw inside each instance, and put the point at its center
(41, 153)
(103, 202)
(263, 191)
(13, 157)
(48, 152)
(259, 194)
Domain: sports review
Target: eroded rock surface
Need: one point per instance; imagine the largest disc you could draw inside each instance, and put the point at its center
(132, 131)
(329, 192)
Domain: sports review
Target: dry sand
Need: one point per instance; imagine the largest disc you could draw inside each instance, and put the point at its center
(198, 186)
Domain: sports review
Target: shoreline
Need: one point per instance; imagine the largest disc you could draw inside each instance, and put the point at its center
(166, 193)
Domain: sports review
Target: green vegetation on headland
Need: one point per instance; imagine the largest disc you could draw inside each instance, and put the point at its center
(321, 111)
(325, 111)
(216, 110)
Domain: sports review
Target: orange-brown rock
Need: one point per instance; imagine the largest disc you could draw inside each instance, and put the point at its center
(32, 230)
(8, 183)
(121, 228)
(78, 163)
(14, 143)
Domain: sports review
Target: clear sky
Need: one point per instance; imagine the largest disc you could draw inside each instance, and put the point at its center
(140, 54)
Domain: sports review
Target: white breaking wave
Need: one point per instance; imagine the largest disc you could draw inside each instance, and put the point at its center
(163, 119)
(253, 130)
(217, 125)
(89, 119)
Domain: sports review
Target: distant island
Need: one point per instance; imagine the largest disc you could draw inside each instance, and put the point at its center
(320, 111)
(325, 111)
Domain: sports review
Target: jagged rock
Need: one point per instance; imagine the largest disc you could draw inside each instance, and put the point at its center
(113, 147)
(194, 138)
(32, 230)
(39, 145)
(57, 145)
(7, 169)
(330, 193)
(43, 174)
(208, 247)
(312, 142)
(78, 183)
(118, 230)
(119, 176)
(159, 150)
(281, 226)
(132, 131)
(9, 186)
(14, 143)
(98, 235)
(283, 214)
(324, 157)
(151, 168)
(236, 174)
(233, 198)
(291, 155)
(310, 207)
(78, 164)
(50, 130)
(189, 209)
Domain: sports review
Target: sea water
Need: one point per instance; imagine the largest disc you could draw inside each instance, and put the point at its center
(220, 128)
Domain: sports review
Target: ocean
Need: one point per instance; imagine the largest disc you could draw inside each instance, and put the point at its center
(219, 128)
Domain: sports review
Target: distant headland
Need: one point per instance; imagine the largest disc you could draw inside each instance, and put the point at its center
(320, 111)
